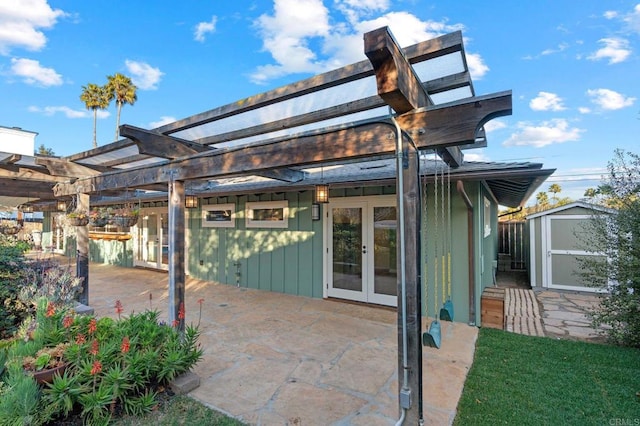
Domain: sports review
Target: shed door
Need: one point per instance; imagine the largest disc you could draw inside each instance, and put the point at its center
(563, 249)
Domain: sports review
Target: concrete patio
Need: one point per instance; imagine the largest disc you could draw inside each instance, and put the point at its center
(275, 359)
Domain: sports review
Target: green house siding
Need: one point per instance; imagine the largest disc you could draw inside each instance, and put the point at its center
(274, 259)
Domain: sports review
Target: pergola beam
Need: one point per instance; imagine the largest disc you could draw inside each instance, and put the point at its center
(358, 140)
(11, 159)
(63, 167)
(398, 83)
(158, 145)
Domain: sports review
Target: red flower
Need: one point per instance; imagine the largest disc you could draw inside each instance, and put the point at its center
(93, 326)
(200, 301)
(181, 311)
(124, 348)
(118, 307)
(67, 321)
(97, 367)
(80, 339)
(175, 323)
(94, 347)
(51, 310)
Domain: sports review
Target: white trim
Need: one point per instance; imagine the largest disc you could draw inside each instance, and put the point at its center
(266, 205)
(228, 207)
(532, 254)
(582, 204)
(367, 204)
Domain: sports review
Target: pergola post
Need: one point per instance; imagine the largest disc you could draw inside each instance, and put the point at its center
(82, 255)
(176, 254)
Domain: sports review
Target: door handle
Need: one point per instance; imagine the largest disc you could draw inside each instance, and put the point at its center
(364, 249)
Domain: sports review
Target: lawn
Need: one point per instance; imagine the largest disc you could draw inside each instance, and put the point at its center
(525, 380)
(180, 410)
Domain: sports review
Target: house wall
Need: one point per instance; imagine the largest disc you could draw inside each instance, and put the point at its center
(280, 260)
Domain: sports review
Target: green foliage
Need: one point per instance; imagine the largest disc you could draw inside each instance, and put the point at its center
(12, 267)
(113, 366)
(19, 399)
(617, 236)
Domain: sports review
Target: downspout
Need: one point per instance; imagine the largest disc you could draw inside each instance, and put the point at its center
(405, 403)
(471, 253)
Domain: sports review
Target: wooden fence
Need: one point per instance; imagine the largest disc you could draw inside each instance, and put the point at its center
(513, 245)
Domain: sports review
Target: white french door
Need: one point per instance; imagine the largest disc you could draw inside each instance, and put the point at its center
(152, 239)
(361, 249)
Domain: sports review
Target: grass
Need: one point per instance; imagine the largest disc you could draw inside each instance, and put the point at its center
(180, 410)
(525, 380)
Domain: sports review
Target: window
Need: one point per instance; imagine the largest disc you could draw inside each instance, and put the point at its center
(487, 217)
(219, 216)
(270, 214)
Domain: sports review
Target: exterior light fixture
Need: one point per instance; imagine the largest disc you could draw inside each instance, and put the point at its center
(27, 209)
(191, 201)
(61, 206)
(322, 193)
(315, 211)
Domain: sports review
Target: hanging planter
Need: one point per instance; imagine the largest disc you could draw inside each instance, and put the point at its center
(11, 230)
(125, 217)
(98, 218)
(78, 218)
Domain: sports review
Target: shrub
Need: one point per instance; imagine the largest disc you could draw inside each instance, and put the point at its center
(12, 266)
(618, 236)
(113, 366)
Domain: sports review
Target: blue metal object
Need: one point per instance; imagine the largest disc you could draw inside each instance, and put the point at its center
(432, 338)
(446, 312)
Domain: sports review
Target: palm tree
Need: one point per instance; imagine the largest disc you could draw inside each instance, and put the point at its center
(121, 88)
(95, 97)
(554, 188)
(542, 200)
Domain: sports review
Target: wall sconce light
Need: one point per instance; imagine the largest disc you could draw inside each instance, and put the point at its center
(191, 201)
(315, 211)
(322, 193)
(61, 206)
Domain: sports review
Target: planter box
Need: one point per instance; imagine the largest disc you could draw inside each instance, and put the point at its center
(492, 308)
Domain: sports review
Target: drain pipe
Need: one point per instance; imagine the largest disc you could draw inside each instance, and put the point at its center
(471, 253)
(405, 392)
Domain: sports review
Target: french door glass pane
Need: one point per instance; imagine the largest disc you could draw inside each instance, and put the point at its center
(384, 249)
(347, 248)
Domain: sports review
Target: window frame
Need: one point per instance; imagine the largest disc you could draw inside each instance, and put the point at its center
(265, 205)
(231, 223)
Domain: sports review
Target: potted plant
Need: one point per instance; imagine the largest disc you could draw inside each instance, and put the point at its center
(98, 217)
(78, 218)
(46, 363)
(126, 216)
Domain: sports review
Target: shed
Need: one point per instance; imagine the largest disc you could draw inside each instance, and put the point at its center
(556, 244)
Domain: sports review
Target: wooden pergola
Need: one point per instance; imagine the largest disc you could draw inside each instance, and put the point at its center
(189, 151)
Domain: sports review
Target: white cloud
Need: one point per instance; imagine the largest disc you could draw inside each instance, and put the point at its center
(546, 101)
(615, 49)
(300, 38)
(33, 73)
(609, 99)
(561, 47)
(477, 67)
(493, 125)
(67, 112)
(475, 155)
(547, 133)
(610, 14)
(203, 28)
(163, 120)
(632, 20)
(584, 110)
(144, 75)
(21, 22)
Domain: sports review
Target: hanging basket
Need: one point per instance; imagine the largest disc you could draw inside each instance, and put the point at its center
(11, 230)
(98, 222)
(125, 221)
(78, 221)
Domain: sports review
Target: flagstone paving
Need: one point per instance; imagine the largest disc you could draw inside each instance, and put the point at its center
(275, 359)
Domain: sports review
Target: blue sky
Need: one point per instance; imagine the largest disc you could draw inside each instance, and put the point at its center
(573, 66)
